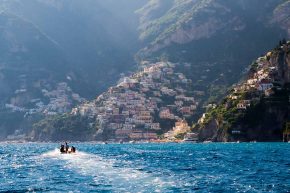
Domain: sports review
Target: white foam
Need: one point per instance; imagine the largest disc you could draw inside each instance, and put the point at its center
(106, 172)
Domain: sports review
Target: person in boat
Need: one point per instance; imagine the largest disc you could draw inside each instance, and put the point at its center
(62, 150)
(73, 149)
(66, 147)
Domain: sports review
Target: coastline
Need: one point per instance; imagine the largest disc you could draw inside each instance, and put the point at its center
(135, 142)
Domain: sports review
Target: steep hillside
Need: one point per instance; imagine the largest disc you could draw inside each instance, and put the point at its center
(56, 54)
(257, 109)
(214, 39)
(22, 48)
(53, 54)
(29, 62)
(142, 106)
(97, 38)
(179, 22)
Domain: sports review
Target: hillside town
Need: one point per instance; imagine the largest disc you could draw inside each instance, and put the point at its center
(136, 108)
(267, 75)
(52, 102)
(257, 108)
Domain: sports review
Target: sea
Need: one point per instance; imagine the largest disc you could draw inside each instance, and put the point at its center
(148, 167)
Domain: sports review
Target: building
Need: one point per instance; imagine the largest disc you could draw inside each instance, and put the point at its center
(181, 127)
(265, 84)
(193, 137)
(244, 104)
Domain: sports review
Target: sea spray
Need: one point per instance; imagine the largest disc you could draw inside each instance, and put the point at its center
(107, 172)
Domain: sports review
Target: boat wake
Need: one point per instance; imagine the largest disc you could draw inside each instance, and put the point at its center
(108, 172)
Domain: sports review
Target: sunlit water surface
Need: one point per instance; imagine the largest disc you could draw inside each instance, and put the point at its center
(214, 167)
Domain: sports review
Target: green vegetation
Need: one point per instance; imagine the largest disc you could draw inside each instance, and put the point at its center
(176, 16)
(261, 117)
(64, 127)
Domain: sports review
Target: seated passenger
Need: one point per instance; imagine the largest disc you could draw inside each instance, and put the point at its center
(62, 150)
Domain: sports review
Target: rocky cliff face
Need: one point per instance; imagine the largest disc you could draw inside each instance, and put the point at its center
(257, 109)
(187, 21)
(209, 131)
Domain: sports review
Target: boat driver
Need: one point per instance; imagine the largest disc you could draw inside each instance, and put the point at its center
(66, 147)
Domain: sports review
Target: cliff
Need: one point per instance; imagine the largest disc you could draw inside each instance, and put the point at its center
(164, 24)
(256, 109)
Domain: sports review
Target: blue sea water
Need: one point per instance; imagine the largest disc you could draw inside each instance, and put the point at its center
(213, 167)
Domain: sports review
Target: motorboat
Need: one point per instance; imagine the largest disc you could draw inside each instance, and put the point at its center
(191, 137)
(66, 150)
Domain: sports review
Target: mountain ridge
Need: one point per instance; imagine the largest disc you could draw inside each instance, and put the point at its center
(210, 42)
(189, 21)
